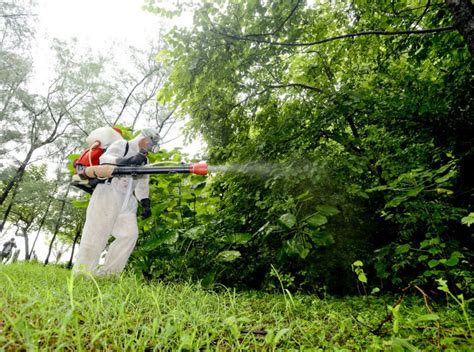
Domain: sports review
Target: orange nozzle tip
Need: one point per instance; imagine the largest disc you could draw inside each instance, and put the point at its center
(198, 169)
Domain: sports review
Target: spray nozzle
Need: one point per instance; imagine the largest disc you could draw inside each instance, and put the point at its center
(199, 168)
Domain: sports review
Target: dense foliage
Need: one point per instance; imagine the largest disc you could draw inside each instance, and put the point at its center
(335, 151)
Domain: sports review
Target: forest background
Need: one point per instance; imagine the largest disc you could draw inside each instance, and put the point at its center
(342, 131)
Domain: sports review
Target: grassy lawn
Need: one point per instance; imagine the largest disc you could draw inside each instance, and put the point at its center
(45, 308)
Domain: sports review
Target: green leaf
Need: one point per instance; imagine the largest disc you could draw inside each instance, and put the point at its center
(239, 238)
(377, 188)
(427, 317)
(327, 210)
(358, 263)
(381, 270)
(170, 238)
(228, 256)
(195, 233)
(304, 196)
(444, 190)
(80, 203)
(263, 228)
(199, 186)
(402, 249)
(73, 157)
(321, 239)
(452, 261)
(443, 285)
(434, 251)
(422, 258)
(159, 208)
(433, 262)
(304, 252)
(288, 220)
(457, 254)
(362, 277)
(443, 169)
(446, 177)
(414, 192)
(316, 220)
(375, 290)
(395, 202)
(468, 220)
(296, 247)
(208, 279)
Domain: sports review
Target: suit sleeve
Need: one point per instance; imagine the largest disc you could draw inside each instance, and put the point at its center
(114, 152)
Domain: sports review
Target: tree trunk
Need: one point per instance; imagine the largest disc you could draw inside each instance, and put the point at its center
(25, 235)
(463, 13)
(43, 219)
(78, 233)
(18, 176)
(27, 241)
(58, 225)
(9, 208)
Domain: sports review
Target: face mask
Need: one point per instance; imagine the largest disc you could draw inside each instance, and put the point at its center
(151, 146)
(153, 140)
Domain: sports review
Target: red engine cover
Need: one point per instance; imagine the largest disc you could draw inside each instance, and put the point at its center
(89, 157)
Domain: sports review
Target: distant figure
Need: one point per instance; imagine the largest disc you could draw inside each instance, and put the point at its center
(6, 252)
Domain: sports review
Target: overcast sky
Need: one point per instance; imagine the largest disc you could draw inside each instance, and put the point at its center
(101, 25)
(97, 21)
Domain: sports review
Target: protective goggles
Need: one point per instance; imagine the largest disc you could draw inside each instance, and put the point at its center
(154, 139)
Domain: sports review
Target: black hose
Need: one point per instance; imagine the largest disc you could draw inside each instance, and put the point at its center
(131, 170)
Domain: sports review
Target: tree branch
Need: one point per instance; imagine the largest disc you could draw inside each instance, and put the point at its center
(162, 123)
(169, 128)
(339, 37)
(76, 123)
(19, 15)
(428, 4)
(280, 26)
(130, 94)
(300, 85)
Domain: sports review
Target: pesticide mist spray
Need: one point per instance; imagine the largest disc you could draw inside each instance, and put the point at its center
(254, 168)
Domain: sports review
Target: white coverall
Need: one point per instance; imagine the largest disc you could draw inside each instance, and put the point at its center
(112, 211)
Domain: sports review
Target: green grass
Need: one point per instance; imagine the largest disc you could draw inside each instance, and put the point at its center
(45, 308)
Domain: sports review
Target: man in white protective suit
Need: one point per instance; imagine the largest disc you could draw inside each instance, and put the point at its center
(113, 206)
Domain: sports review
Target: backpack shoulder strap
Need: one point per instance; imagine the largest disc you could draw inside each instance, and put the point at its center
(126, 149)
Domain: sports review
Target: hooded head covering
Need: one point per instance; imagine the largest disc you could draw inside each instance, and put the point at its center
(154, 138)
